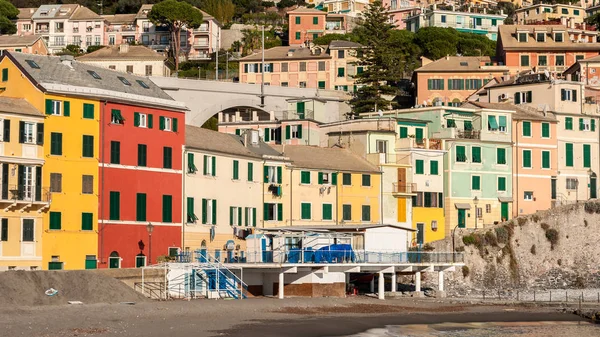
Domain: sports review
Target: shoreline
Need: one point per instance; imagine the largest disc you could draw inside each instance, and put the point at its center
(306, 317)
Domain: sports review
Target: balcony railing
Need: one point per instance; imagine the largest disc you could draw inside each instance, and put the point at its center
(319, 256)
(413, 143)
(201, 30)
(404, 188)
(293, 114)
(21, 193)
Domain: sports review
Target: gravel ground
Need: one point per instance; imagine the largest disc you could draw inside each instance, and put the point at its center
(262, 317)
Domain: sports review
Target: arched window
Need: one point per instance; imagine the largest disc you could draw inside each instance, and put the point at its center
(114, 261)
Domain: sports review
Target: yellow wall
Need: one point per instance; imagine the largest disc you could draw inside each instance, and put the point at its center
(402, 209)
(70, 243)
(425, 215)
(358, 195)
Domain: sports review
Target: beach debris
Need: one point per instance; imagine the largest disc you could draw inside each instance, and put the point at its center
(51, 292)
(127, 303)
(74, 302)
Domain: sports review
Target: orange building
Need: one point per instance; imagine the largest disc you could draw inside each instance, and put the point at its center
(305, 24)
(451, 79)
(29, 44)
(544, 47)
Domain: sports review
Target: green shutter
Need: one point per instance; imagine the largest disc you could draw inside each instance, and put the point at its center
(320, 178)
(305, 211)
(461, 154)
(403, 132)
(88, 111)
(546, 130)
(517, 99)
(204, 211)
(327, 212)
(569, 154)
(150, 121)
(279, 173)
(527, 129)
(347, 212)
(267, 134)
(5, 75)
(115, 205)
(305, 177)
(568, 123)
(236, 170)
(214, 212)
(265, 211)
(250, 172)
(191, 215)
(167, 208)
(175, 126)
(526, 158)
(266, 174)
(231, 211)
(492, 124)
(475, 183)
(66, 108)
(433, 167)
(214, 166)
(501, 156)
(297, 20)
(55, 220)
(366, 180)
(546, 159)
(140, 213)
(587, 153)
(161, 123)
(334, 178)
(366, 212)
(419, 134)
(501, 184)
(299, 133)
(420, 169)
(581, 124)
(346, 179)
(49, 107)
(593, 126)
(287, 131)
(279, 212)
(476, 153)
(136, 119)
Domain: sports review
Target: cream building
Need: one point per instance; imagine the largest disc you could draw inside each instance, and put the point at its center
(138, 60)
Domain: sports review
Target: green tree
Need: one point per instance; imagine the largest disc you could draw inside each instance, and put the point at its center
(324, 40)
(222, 10)
(211, 124)
(593, 20)
(8, 12)
(436, 42)
(381, 66)
(175, 15)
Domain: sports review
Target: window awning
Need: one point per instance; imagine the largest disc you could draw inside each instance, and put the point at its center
(492, 122)
(502, 121)
(459, 205)
(505, 199)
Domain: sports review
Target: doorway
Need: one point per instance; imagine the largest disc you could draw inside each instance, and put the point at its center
(420, 233)
(462, 218)
(593, 194)
(114, 261)
(504, 211)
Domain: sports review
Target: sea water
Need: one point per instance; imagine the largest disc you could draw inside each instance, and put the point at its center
(487, 329)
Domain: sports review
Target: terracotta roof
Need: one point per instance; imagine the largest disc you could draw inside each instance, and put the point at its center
(520, 112)
(26, 13)
(18, 106)
(208, 140)
(461, 64)
(304, 10)
(338, 44)
(281, 53)
(336, 159)
(16, 40)
(507, 36)
(84, 13)
(142, 53)
(119, 18)
(140, 14)
(590, 59)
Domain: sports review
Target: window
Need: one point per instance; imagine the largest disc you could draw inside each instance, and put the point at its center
(347, 179)
(88, 111)
(420, 166)
(542, 60)
(501, 156)
(321, 65)
(569, 155)
(293, 131)
(587, 153)
(366, 213)
(124, 80)
(5, 75)
(297, 35)
(443, 17)
(56, 144)
(576, 12)
(476, 154)
(461, 156)
(403, 132)
(4, 230)
(456, 84)
(502, 184)
(302, 66)
(475, 183)
(522, 37)
(87, 184)
(115, 152)
(366, 180)
(143, 84)
(54, 107)
(88, 146)
(321, 84)
(528, 196)
(236, 170)
(568, 123)
(297, 20)
(167, 157)
(116, 117)
(558, 37)
(94, 74)
(502, 123)
(433, 167)
(568, 95)
(115, 206)
(347, 212)
(473, 84)
(140, 207)
(341, 72)
(327, 212)
(140, 120)
(167, 209)
(526, 129)
(545, 130)
(540, 37)
(284, 67)
(565, 11)
(27, 132)
(545, 159)
(55, 220)
(524, 60)
(87, 221)
(142, 158)
(572, 183)
(235, 216)
(167, 123)
(129, 69)
(250, 172)
(250, 217)
(284, 84)
(56, 182)
(302, 84)
(305, 177)
(112, 67)
(527, 158)
(435, 84)
(149, 70)
(305, 211)
(560, 60)
(273, 212)
(523, 97)
(273, 174)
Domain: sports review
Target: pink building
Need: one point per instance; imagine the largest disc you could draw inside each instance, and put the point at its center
(120, 28)
(24, 21)
(305, 24)
(400, 10)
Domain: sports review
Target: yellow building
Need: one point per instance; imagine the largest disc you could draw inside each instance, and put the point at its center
(24, 196)
(69, 239)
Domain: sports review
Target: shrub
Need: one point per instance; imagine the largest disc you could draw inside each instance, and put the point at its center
(491, 239)
(552, 236)
(465, 271)
(544, 226)
(532, 250)
(428, 247)
(592, 207)
(469, 240)
(579, 282)
(535, 218)
(502, 234)
(522, 221)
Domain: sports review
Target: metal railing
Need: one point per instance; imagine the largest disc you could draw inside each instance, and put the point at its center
(547, 296)
(293, 114)
(25, 193)
(404, 188)
(468, 134)
(320, 256)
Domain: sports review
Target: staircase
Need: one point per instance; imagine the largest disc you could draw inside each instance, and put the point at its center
(215, 280)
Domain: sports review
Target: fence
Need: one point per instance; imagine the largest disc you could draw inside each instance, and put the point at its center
(538, 296)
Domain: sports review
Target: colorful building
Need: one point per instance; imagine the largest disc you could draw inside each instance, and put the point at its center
(399, 11)
(29, 44)
(452, 79)
(305, 24)
(120, 28)
(547, 12)
(24, 197)
(137, 60)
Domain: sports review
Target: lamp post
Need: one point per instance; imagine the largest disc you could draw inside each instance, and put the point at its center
(475, 202)
(150, 228)
(453, 249)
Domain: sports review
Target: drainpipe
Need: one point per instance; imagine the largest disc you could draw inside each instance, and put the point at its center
(262, 181)
(291, 196)
(517, 166)
(381, 196)
(183, 199)
(337, 201)
(102, 106)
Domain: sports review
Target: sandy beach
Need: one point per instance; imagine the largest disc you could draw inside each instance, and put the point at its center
(264, 317)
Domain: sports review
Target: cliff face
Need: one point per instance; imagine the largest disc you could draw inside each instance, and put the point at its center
(553, 249)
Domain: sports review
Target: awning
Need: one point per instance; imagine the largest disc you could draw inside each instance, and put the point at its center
(505, 199)
(492, 122)
(459, 205)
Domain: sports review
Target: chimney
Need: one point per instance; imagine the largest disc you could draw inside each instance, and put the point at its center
(123, 48)
(250, 138)
(447, 57)
(67, 60)
(563, 21)
(434, 6)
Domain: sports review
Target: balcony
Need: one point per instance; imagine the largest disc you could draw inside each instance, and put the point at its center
(59, 43)
(413, 143)
(120, 29)
(455, 133)
(59, 30)
(201, 56)
(42, 30)
(407, 189)
(22, 198)
(201, 44)
(201, 30)
(293, 114)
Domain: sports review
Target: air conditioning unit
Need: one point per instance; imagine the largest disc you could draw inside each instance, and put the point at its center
(504, 97)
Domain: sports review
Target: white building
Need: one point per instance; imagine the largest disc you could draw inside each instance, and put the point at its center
(138, 60)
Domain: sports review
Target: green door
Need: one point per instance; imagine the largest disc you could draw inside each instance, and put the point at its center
(419, 135)
(140, 261)
(420, 233)
(300, 109)
(55, 265)
(593, 188)
(462, 219)
(91, 264)
(504, 211)
(113, 262)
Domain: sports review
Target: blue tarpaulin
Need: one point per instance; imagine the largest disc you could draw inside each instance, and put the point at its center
(335, 254)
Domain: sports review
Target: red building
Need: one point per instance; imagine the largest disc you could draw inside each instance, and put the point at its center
(140, 182)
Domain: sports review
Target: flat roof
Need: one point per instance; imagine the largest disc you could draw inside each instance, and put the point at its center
(332, 228)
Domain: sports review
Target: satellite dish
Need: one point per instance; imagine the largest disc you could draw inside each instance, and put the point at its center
(380, 113)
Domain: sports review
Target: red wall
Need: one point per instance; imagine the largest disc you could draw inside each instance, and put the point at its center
(153, 180)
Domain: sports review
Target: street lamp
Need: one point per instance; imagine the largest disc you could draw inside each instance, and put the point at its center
(475, 202)
(150, 228)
